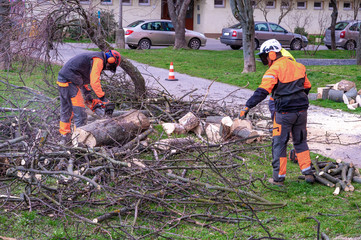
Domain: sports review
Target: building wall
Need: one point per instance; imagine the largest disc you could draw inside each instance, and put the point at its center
(315, 21)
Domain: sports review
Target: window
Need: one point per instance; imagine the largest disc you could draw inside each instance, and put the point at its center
(253, 4)
(285, 4)
(271, 4)
(347, 6)
(301, 5)
(144, 2)
(154, 26)
(169, 26)
(106, 2)
(353, 27)
(127, 2)
(219, 3)
(261, 27)
(318, 5)
(277, 28)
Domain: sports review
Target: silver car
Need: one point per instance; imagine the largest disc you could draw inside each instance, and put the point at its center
(264, 31)
(143, 34)
(346, 34)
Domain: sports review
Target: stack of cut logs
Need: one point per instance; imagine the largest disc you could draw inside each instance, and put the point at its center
(343, 91)
(338, 175)
(216, 128)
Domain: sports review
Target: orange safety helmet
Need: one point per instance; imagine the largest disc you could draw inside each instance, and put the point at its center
(113, 57)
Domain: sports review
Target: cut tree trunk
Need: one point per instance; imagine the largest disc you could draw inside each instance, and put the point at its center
(225, 130)
(189, 121)
(335, 95)
(107, 131)
(175, 128)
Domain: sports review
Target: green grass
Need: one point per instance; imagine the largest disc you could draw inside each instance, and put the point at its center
(338, 215)
(227, 66)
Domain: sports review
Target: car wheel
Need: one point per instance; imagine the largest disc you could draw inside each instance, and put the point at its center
(144, 44)
(256, 44)
(328, 46)
(132, 46)
(350, 45)
(235, 47)
(194, 43)
(296, 44)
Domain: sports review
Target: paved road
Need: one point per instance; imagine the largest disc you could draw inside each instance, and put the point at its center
(332, 133)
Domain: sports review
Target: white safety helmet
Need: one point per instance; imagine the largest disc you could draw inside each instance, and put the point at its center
(270, 45)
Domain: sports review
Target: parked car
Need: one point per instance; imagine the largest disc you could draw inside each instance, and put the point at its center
(346, 34)
(143, 34)
(232, 36)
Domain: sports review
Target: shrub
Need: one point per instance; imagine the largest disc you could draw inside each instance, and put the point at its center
(301, 30)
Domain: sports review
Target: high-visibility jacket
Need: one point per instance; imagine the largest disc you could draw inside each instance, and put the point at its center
(84, 69)
(287, 81)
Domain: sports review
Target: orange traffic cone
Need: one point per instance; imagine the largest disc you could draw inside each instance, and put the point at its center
(171, 73)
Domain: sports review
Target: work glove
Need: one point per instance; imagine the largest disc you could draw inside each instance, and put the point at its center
(104, 100)
(243, 113)
(96, 103)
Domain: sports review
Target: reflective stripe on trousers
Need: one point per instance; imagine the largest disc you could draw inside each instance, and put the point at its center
(283, 125)
(71, 106)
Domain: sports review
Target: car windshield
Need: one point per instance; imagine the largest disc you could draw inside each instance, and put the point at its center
(340, 25)
(136, 23)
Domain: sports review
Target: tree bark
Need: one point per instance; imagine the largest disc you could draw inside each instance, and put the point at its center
(358, 49)
(4, 35)
(243, 11)
(119, 34)
(107, 131)
(177, 12)
(334, 15)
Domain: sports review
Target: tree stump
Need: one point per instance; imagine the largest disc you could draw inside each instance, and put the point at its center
(107, 131)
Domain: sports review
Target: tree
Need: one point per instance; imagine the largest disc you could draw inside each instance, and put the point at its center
(358, 49)
(286, 7)
(4, 36)
(177, 12)
(356, 5)
(120, 31)
(334, 15)
(243, 11)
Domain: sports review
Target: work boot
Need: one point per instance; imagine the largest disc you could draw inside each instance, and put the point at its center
(273, 182)
(310, 178)
(293, 156)
(65, 140)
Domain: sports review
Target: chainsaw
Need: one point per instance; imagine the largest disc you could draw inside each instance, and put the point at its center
(100, 108)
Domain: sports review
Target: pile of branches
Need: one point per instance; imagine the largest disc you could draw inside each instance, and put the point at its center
(147, 190)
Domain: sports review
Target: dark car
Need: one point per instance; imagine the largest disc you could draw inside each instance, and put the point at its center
(143, 34)
(346, 34)
(264, 31)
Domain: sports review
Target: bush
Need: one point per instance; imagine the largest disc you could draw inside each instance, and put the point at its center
(301, 30)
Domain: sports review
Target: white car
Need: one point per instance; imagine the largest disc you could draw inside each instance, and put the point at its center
(143, 34)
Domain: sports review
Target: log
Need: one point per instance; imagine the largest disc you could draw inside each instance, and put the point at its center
(351, 94)
(212, 132)
(173, 143)
(335, 95)
(214, 119)
(345, 85)
(239, 124)
(322, 92)
(189, 121)
(324, 181)
(107, 131)
(200, 129)
(356, 179)
(225, 129)
(175, 128)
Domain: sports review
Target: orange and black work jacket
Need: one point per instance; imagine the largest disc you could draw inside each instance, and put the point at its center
(84, 69)
(288, 83)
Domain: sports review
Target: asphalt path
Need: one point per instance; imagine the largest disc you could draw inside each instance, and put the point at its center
(332, 133)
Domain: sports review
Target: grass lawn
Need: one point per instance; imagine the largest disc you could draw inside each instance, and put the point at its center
(227, 66)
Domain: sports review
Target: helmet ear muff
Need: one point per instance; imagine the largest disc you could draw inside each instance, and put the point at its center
(110, 58)
(272, 55)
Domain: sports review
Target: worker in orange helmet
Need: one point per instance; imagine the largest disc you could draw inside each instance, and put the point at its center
(73, 82)
(287, 81)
